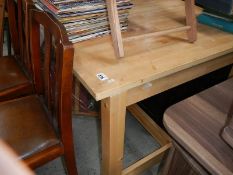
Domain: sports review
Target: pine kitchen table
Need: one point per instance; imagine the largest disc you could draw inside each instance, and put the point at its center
(151, 65)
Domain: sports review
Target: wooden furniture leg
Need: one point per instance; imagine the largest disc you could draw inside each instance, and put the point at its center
(191, 20)
(115, 27)
(113, 110)
(168, 160)
(231, 73)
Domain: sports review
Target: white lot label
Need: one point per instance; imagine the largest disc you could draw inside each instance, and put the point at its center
(102, 76)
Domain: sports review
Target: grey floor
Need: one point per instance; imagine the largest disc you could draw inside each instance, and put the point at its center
(138, 143)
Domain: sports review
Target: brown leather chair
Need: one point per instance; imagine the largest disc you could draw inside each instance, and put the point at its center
(15, 70)
(39, 126)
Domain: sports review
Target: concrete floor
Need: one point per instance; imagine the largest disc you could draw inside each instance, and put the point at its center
(138, 143)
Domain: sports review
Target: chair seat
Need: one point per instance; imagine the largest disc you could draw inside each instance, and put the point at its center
(196, 124)
(32, 135)
(12, 78)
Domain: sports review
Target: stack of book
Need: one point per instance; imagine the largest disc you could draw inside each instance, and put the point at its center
(85, 19)
(217, 13)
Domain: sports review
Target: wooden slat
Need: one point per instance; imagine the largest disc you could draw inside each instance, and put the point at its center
(191, 20)
(156, 132)
(115, 27)
(12, 20)
(158, 33)
(146, 162)
(113, 111)
(47, 62)
(231, 72)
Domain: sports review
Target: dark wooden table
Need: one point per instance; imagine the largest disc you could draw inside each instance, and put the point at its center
(196, 124)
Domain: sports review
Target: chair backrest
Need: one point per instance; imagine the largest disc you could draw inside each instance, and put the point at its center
(2, 10)
(23, 7)
(19, 30)
(53, 71)
(13, 27)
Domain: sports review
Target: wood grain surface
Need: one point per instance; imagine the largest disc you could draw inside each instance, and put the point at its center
(196, 123)
(150, 58)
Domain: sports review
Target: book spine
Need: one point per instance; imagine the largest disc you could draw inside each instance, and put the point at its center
(50, 6)
(216, 22)
(223, 6)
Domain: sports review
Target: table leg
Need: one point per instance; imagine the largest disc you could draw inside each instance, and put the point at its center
(191, 20)
(113, 110)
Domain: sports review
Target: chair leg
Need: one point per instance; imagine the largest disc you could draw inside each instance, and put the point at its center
(115, 28)
(191, 20)
(69, 154)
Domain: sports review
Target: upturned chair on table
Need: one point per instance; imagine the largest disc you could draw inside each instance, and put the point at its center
(38, 126)
(117, 39)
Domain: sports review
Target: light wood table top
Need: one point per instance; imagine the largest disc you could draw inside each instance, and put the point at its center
(149, 58)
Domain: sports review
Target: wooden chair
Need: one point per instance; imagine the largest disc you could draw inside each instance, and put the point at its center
(38, 127)
(117, 39)
(196, 124)
(15, 71)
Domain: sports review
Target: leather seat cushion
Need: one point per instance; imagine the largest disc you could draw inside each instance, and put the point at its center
(25, 127)
(10, 73)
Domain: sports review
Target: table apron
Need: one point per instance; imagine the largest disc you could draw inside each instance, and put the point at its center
(154, 87)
